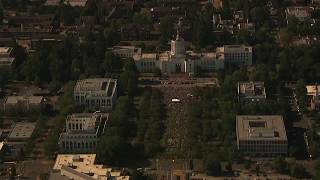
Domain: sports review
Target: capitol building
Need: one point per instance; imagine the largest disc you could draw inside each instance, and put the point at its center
(178, 60)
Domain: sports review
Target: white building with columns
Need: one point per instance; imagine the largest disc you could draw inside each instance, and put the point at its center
(178, 60)
(82, 132)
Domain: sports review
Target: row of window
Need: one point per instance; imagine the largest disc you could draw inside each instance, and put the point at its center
(262, 142)
(78, 145)
(81, 136)
(95, 102)
(148, 64)
(73, 126)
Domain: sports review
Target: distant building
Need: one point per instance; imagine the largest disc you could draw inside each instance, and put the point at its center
(6, 63)
(313, 92)
(21, 132)
(261, 135)
(217, 4)
(249, 92)
(126, 51)
(98, 93)
(6, 52)
(18, 138)
(3, 149)
(239, 55)
(33, 21)
(73, 3)
(6, 57)
(82, 133)
(178, 60)
(246, 26)
(83, 167)
(23, 103)
(302, 13)
(316, 1)
(52, 3)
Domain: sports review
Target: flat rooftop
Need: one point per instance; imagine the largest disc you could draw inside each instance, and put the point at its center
(22, 130)
(96, 85)
(5, 50)
(251, 89)
(27, 99)
(312, 90)
(299, 11)
(83, 165)
(6, 60)
(79, 3)
(264, 127)
(234, 48)
(88, 120)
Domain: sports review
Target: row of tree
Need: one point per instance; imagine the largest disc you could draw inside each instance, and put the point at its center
(150, 125)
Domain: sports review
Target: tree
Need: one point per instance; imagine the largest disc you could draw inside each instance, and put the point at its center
(13, 172)
(142, 19)
(91, 8)
(113, 150)
(65, 101)
(285, 36)
(301, 93)
(150, 124)
(297, 171)
(166, 30)
(212, 166)
(129, 82)
(202, 29)
(317, 169)
(137, 175)
(67, 14)
(280, 165)
(129, 79)
(111, 63)
(258, 15)
(229, 166)
(20, 58)
(157, 72)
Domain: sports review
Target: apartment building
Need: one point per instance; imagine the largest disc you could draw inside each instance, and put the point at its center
(82, 132)
(98, 93)
(83, 167)
(263, 135)
(251, 92)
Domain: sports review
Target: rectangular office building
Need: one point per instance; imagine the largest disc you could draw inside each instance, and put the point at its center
(98, 93)
(263, 135)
